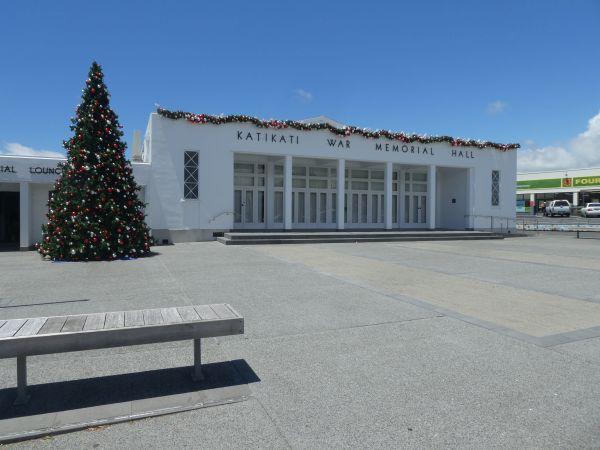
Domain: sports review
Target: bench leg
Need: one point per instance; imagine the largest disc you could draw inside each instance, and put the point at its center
(22, 396)
(197, 375)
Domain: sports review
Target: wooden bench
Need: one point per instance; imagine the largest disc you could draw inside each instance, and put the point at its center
(20, 338)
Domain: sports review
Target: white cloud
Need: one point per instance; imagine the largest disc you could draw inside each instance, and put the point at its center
(582, 151)
(303, 95)
(16, 149)
(496, 107)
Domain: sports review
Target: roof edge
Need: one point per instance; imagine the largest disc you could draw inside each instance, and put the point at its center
(345, 131)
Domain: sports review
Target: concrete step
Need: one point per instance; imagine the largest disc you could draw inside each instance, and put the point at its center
(329, 240)
(294, 235)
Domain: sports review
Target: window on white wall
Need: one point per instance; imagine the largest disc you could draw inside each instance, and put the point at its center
(495, 187)
(190, 175)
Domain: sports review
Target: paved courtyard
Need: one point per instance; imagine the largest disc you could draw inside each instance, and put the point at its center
(415, 344)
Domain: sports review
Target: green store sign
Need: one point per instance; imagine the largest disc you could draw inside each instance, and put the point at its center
(539, 184)
(549, 183)
(586, 181)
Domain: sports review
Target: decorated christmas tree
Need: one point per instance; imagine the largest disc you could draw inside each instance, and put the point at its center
(94, 211)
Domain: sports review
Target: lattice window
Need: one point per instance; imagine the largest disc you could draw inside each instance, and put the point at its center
(190, 175)
(495, 187)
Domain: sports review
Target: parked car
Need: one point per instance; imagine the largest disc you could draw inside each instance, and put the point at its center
(558, 208)
(591, 210)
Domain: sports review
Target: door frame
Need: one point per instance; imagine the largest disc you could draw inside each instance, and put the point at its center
(255, 189)
(402, 193)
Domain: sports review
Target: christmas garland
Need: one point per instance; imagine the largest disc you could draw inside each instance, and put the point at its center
(345, 131)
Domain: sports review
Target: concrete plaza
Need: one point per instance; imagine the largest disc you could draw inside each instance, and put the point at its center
(474, 344)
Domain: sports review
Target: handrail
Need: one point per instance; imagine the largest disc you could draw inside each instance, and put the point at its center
(212, 219)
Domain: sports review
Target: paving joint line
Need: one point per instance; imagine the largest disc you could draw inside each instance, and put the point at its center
(277, 428)
(542, 342)
(470, 276)
(499, 259)
(329, 330)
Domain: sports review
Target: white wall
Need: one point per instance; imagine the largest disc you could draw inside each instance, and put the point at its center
(503, 215)
(164, 192)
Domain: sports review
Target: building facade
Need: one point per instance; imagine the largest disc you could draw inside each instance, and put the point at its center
(578, 186)
(200, 178)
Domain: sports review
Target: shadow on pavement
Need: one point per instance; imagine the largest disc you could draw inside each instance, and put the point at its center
(89, 392)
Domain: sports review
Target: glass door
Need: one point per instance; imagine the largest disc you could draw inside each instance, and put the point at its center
(365, 200)
(249, 195)
(414, 198)
(314, 197)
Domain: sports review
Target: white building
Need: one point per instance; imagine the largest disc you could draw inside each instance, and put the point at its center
(202, 178)
(578, 186)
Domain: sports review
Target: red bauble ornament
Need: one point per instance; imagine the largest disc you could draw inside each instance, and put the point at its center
(93, 90)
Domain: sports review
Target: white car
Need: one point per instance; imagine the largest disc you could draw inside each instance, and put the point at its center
(591, 210)
(558, 208)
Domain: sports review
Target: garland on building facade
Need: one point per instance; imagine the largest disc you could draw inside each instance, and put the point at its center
(345, 131)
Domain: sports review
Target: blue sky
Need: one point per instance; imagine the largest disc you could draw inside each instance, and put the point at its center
(509, 71)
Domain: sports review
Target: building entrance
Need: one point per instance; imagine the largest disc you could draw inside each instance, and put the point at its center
(9, 218)
(313, 197)
(414, 199)
(249, 195)
(365, 198)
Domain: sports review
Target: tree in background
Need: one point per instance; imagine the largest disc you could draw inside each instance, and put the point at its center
(94, 211)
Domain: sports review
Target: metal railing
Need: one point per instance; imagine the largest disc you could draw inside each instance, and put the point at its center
(574, 223)
(498, 224)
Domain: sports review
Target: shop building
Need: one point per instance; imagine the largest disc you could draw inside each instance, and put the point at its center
(578, 186)
(202, 175)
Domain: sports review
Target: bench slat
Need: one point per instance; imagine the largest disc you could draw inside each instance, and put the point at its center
(11, 327)
(152, 317)
(53, 325)
(114, 320)
(237, 314)
(73, 323)
(134, 318)
(205, 312)
(188, 313)
(223, 311)
(60, 334)
(170, 315)
(31, 327)
(94, 322)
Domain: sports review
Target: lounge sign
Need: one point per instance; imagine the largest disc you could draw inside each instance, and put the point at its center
(33, 170)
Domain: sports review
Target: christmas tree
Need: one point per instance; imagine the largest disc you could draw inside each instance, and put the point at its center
(94, 211)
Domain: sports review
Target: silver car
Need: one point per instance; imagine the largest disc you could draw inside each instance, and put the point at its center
(558, 208)
(591, 210)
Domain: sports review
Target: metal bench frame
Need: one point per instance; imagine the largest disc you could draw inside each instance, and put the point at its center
(21, 338)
